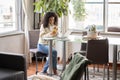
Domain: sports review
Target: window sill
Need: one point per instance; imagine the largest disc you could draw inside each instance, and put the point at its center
(110, 33)
(11, 33)
(79, 32)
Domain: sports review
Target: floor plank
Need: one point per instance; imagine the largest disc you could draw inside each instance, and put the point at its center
(32, 68)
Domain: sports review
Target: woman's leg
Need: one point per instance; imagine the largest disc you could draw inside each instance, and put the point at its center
(44, 49)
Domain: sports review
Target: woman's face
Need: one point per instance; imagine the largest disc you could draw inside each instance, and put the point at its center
(51, 20)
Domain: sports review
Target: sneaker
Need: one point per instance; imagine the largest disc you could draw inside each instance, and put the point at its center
(55, 72)
(43, 73)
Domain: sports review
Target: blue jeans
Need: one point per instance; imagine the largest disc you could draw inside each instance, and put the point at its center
(45, 48)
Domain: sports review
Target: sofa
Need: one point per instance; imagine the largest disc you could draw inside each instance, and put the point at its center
(12, 66)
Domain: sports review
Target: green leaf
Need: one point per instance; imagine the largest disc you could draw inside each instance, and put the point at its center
(58, 6)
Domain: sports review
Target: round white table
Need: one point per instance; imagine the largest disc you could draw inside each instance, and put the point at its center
(50, 39)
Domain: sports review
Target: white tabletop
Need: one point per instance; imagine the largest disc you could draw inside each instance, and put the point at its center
(56, 38)
(77, 38)
(49, 38)
(114, 41)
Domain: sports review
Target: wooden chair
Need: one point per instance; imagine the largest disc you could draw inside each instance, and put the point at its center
(97, 52)
(33, 40)
(83, 49)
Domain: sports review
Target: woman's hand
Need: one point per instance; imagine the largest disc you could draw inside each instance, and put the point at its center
(54, 31)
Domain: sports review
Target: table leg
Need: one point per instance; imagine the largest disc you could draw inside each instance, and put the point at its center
(114, 62)
(64, 55)
(50, 58)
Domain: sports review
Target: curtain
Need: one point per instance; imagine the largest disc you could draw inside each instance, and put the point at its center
(27, 22)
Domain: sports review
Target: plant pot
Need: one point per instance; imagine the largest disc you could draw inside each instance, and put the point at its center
(92, 35)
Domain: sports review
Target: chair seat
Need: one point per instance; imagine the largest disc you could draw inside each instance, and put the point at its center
(35, 51)
(8, 74)
(41, 54)
(38, 55)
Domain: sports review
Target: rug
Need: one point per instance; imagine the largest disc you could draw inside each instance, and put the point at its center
(43, 77)
(98, 76)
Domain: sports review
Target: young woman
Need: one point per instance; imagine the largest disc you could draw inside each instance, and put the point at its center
(48, 29)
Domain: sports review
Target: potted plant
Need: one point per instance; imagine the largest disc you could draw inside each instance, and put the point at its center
(92, 32)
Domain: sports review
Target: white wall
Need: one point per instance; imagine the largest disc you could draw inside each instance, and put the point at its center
(12, 43)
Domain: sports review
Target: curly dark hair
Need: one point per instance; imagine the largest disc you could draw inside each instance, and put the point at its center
(46, 19)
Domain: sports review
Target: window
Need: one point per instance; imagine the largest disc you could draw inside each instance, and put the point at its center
(10, 15)
(114, 15)
(102, 14)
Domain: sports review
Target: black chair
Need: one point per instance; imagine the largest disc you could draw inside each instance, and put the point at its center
(13, 66)
(83, 49)
(118, 58)
(97, 52)
(33, 40)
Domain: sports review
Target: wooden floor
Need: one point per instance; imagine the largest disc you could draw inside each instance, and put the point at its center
(32, 68)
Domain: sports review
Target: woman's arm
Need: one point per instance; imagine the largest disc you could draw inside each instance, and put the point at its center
(45, 32)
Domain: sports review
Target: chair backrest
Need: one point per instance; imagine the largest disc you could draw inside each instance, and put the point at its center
(83, 49)
(75, 68)
(83, 46)
(33, 38)
(97, 51)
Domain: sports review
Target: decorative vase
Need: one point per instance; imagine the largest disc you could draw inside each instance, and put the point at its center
(92, 34)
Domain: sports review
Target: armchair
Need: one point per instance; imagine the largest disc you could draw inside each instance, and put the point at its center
(12, 66)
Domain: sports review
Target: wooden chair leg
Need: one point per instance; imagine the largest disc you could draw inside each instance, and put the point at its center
(43, 61)
(118, 59)
(93, 70)
(97, 68)
(104, 72)
(87, 74)
(36, 63)
(108, 76)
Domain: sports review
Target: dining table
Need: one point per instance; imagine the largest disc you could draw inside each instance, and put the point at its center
(115, 42)
(50, 40)
(63, 40)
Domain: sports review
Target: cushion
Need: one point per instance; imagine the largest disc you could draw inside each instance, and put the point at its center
(8, 74)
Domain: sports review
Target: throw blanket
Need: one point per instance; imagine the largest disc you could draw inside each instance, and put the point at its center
(75, 68)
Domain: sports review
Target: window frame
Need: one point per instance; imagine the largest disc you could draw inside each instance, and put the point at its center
(18, 19)
(105, 18)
